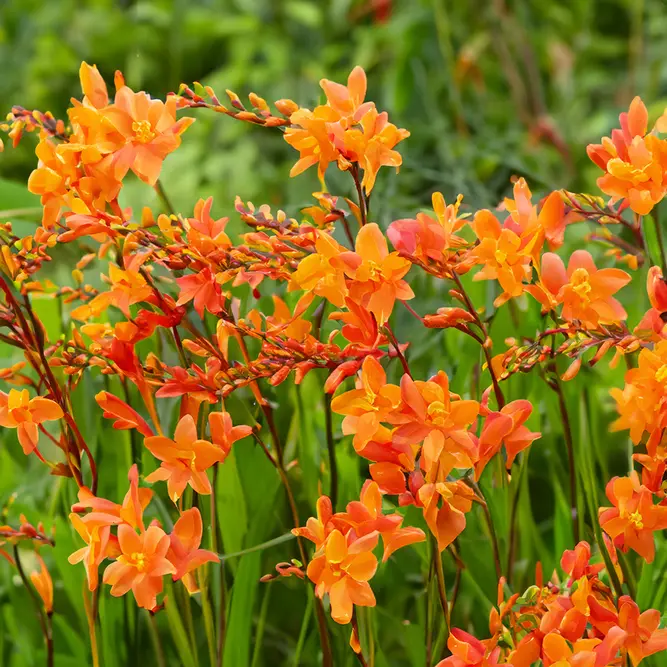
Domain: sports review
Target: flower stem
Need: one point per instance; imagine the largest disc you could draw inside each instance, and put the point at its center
(357, 184)
(500, 398)
(164, 198)
(44, 625)
(331, 448)
(661, 244)
(489, 523)
(442, 589)
(554, 384)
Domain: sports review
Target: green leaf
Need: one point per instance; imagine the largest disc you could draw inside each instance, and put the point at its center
(243, 593)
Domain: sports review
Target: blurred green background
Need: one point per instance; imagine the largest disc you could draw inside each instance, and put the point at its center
(489, 90)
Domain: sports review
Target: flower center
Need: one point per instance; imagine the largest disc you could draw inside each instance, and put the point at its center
(581, 284)
(374, 271)
(143, 132)
(661, 374)
(500, 256)
(637, 520)
(436, 411)
(139, 561)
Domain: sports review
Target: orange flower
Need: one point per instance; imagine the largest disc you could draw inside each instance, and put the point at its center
(504, 255)
(505, 427)
(633, 518)
(341, 569)
(224, 434)
(365, 516)
(205, 233)
(43, 584)
(468, 651)
(184, 552)
(345, 130)
(343, 562)
(204, 289)
(432, 414)
(125, 417)
(19, 411)
(141, 565)
(322, 272)
(584, 290)
(366, 407)
(584, 652)
(656, 286)
(447, 520)
(549, 223)
(185, 459)
(576, 563)
(98, 547)
(375, 273)
(425, 237)
(635, 162)
(642, 403)
(138, 131)
(643, 637)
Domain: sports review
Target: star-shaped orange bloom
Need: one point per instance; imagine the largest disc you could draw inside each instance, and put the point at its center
(342, 569)
(141, 565)
(634, 517)
(135, 132)
(642, 403)
(19, 411)
(322, 272)
(184, 552)
(584, 291)
(635, 162)
(438, 417)
(426, 237)
(504, 254)
(376, 275)
(185, 459)
(367, 406)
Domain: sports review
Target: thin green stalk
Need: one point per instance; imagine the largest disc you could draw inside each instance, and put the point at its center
(209, 621)
(164, 198)
(554, 383)
(489, 523)
(360, 194)
(155, 638)
(661, 244)
(442, 589)
(261, 624)
(39, 608)
(331, 448)
(303, 632)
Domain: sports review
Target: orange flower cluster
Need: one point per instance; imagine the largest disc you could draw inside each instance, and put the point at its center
(141, 555)
(83, 174)
(575, 623)
(344, 562)
(176, 279)
(419, 433)
(345, 130)
(634, 161)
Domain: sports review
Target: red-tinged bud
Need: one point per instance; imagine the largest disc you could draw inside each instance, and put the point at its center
(656, 286)
(346, 369)
(572, 371)
(234, 99)
(286, 107)
(447, 317)
(258, 102)
(302, 370)
(279, 376)
(274, 121)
